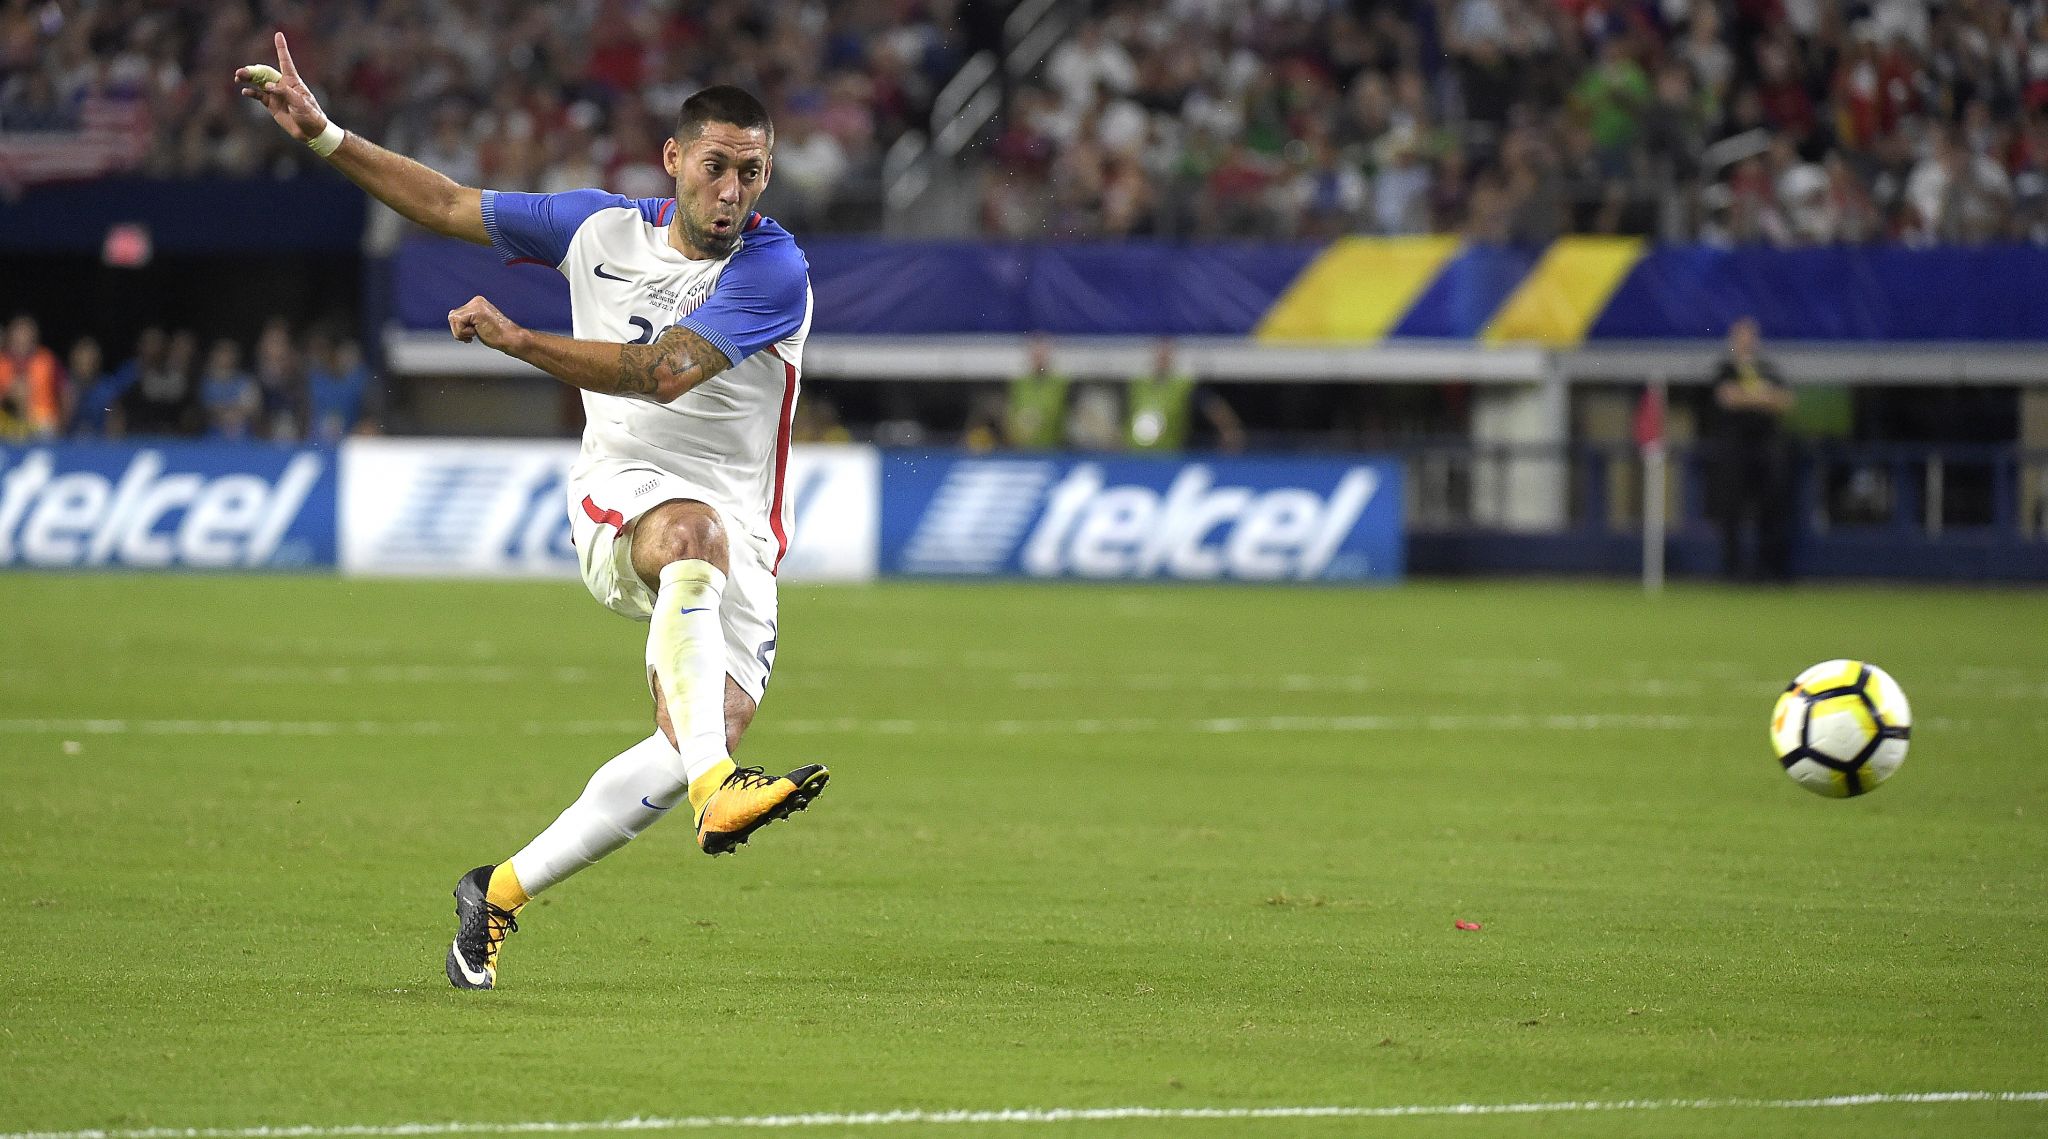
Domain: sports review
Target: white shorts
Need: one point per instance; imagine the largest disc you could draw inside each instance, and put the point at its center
(606, 497)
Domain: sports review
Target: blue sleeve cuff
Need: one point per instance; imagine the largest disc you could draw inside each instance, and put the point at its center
(719, 340)
(490, 212)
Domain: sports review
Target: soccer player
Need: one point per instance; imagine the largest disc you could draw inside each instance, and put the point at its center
(690, 315)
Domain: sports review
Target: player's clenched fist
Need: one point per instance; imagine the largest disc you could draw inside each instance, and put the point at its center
(284, 94)
(481, 320)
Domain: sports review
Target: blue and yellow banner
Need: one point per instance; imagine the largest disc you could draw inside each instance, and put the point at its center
(1356, 290)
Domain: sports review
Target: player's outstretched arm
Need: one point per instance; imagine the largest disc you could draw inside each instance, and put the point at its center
(675, 362)
(425, 197)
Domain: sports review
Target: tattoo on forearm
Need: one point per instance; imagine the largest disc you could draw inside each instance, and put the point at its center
(675, 357)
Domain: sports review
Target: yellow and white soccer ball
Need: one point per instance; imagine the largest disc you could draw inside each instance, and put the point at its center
(1841, 728)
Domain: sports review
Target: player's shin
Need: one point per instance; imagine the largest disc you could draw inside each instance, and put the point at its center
(686, 657)
(625, 797)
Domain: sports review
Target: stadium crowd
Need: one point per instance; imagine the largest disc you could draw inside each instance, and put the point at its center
(501, 93)
(1783, 121)
(314, 389)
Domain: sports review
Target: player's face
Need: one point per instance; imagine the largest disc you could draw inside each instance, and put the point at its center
(719, 175)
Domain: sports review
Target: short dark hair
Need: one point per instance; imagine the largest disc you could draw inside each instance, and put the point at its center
(722, 104)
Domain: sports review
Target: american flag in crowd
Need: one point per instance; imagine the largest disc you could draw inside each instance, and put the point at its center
(111, 135)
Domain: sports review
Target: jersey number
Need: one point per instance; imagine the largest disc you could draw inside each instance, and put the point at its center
(646, 330)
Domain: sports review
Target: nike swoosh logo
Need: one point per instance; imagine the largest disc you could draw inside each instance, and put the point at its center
(607, 276)
(699, 609)
(653, 806)
(475, 978)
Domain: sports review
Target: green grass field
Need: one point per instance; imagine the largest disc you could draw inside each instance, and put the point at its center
(1085, 847)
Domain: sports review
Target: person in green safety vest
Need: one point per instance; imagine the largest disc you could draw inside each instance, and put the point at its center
(1157, 406)
(1035, 416)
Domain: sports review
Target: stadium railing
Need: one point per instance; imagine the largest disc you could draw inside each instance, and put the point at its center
(1950, 511)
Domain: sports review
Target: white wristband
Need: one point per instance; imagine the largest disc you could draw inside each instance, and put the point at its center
(323, 144)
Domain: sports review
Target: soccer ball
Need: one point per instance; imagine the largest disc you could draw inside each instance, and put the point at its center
(1841, 728)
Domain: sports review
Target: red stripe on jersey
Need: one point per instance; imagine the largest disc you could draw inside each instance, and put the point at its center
(753, 221)
(662, 217)
(528, 261)
(611, 518)
(782, 463)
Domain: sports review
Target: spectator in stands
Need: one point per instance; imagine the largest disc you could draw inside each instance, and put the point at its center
(1854, 217)
(1753, 462)
(30, 103)
(1088, 62)
(1126, 198)
(93, 391)
(1326, 195)
(1235, 198)
(1400, 192)
(2030, 180)
(1802, 195)
(233, 401)
(809, 164)
(163, 398)
(1158, 406)
(1613, 97)
(31, 383)
(1958, 197)
(336, 383)
(1674, 128)
(1536, 196)
(1705, 53)
(279, 383)
(1781, 89)
(1035, 413)
(149, 355)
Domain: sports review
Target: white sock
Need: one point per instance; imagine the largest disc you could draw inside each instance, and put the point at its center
(686, 655)
(625, 797)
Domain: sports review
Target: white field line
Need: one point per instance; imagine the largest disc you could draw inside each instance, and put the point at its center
(324, 676)
(1224, 725)
(1032, 1115)
(887, 727)
(1470, 677)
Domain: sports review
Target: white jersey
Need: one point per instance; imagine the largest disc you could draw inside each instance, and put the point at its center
(729, 435)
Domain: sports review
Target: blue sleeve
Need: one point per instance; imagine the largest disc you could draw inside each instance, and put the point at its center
(760, 299)
(538, 227)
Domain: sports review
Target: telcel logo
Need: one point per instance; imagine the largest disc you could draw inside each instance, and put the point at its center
(1194, 530)
(84, 518)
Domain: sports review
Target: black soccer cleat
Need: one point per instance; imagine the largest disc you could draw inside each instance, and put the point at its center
(480, 929)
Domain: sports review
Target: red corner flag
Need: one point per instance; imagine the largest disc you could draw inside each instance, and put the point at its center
(1650, 416)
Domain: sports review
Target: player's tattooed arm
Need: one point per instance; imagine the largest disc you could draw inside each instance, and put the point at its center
(675, 362)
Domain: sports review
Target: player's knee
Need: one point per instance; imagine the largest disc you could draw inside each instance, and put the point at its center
(736, 726)
(739, 712)
(662, 722)
(674, 532)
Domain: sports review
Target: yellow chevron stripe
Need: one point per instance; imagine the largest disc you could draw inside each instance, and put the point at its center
(1566, 291)
(1357, 289)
